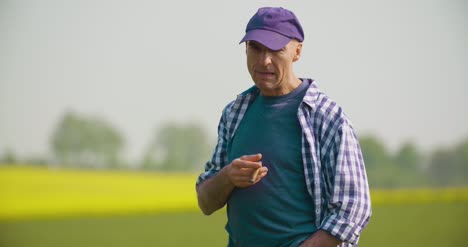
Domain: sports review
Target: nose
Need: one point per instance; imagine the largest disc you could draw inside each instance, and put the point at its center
(265, 58)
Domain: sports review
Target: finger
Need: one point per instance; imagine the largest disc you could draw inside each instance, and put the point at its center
(242, 182)
(252, 157)
(246, 164)
(262, 174)
(243, 172)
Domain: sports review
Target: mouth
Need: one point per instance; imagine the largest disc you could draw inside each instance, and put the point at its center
(265, 74)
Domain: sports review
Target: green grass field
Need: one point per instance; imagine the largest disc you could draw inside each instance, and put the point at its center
(42, 207)
(394, 225)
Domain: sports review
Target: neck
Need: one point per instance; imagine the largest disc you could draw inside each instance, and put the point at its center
(292, 84)
(285, 87)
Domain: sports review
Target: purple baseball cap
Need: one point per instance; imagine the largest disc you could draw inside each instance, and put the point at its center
(273, 28)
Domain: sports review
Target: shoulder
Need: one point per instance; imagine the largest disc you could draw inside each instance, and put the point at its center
(331, 124)
(228, 108)
(330, 111)
(328, 116)
(242, 99)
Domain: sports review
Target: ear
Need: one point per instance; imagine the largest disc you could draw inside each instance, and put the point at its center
(298, 52)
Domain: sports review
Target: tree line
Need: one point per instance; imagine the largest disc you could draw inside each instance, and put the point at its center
(92, 142)
(82, 141)
(410, 167)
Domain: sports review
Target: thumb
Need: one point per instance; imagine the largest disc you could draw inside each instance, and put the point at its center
(252, 157)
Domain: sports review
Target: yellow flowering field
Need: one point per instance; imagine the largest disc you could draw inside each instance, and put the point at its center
(419, 196)
(30, 192)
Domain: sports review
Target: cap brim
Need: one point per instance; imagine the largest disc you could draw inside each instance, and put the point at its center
(272, 40)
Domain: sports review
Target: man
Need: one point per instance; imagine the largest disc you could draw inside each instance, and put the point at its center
(287, 163)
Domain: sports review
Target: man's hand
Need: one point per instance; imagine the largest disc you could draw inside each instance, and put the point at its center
(246, 170)
(214, 192)
(321, 238)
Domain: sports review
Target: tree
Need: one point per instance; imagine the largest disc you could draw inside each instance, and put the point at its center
(381, 171)
(408, 158)
(449, 166)
(86, 141)
(374, 152)
(178, 147)
(461, 152)
(9, 157)
(441, 167)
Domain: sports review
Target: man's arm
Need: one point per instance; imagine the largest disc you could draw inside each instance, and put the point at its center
(349, 206)
(321, 238)
(349, 203)
(214, 192)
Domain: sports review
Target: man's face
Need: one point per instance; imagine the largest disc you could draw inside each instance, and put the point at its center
(271, 70)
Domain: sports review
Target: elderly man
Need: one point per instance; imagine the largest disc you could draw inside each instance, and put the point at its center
(288, 163)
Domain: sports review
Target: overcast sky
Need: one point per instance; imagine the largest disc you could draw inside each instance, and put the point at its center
(398, 68)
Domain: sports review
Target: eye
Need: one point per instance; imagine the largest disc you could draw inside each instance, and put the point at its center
(254, 46)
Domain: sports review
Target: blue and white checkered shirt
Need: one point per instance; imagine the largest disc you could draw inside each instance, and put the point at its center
(334, 168)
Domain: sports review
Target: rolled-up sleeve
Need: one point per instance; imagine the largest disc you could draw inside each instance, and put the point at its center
(349, 206)
(219, 158)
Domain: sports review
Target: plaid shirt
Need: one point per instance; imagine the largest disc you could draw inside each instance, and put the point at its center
(333, 164)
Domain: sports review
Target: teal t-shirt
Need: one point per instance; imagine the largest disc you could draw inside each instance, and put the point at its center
(277, 211)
